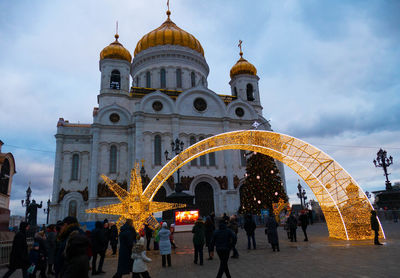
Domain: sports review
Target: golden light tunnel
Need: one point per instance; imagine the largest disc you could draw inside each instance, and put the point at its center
(344, 204)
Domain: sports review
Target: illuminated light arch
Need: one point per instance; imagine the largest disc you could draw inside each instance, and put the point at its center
(344, 204)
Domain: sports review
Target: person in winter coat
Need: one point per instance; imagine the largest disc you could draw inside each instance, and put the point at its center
(250, 227)
(76, 256)
(127, 238)
(292, 223)
(272, 232)
(233, 225)
(165, 244)
(51, 247)
(375, 227)
(156, 239)
(19, 252)
(40, 239)
(68, 226)
(149, 234)
(114, 238)
(198, 240)
(37, 260)
(139, 260)
(223, 239)
(303, 218)
(99, 245)
(209, 231)
(171, 236)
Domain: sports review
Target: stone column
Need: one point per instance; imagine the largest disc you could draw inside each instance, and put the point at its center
(139, 155)
(130, 149)
(57, 177)
(228, 161)
(94, 168)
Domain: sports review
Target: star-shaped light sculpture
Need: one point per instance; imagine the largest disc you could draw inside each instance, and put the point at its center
(134, 205)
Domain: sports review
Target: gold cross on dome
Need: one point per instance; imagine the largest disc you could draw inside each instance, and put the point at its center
(240, 47)
(168, 4)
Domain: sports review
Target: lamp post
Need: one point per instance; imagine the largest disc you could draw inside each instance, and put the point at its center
(177, 148)
(301, 195)
(47, 211)
(383, 161)
(25, 203)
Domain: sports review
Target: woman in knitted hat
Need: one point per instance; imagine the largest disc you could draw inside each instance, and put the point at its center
(165, 244)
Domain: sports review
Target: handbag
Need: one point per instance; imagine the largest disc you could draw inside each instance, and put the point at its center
(31, 269)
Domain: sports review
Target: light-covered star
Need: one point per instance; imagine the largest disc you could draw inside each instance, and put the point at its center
(134, 205)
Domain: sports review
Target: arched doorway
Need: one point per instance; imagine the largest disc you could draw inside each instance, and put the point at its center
(344, 204)
(204, 198)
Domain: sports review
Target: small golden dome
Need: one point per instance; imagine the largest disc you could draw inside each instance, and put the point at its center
(168, 33)
(242, 66)
(115, 51)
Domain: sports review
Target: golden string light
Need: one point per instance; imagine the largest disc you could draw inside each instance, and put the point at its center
(134, 205)
(343, 202)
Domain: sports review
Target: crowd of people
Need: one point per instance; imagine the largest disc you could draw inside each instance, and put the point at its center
(64, 250)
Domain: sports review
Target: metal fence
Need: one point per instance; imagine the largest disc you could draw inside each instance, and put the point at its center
(388, 215)
(5, 250)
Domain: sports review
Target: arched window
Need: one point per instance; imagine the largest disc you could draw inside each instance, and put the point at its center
(72, 208)
(179, 78)
(75, 167)
(137, 81)
(235, 92)
(193, 79)
(5, 177)
(249, 90)
(243, 158)
(157, 150)
(193, 141)
(211, 159)
(163, 81)
(113, 159)
(115, 81)
(148, 80)
(203, 157)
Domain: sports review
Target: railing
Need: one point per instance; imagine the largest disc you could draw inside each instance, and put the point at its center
(5, 250)
(388, 215)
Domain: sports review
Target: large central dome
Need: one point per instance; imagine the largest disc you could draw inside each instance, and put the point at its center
(168, 33)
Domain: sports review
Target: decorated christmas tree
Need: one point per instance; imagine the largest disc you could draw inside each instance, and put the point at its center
(262, 186)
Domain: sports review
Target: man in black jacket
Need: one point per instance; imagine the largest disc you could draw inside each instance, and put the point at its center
(99, 243)
(250, 227)
(375, 227)
(19, 252)
(223, 239)
(303, 218)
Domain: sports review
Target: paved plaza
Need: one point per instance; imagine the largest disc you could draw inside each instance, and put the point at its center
(320, 257)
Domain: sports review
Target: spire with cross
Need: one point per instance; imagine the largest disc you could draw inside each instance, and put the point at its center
(240, 47)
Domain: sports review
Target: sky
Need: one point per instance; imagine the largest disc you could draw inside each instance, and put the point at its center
(329, 73)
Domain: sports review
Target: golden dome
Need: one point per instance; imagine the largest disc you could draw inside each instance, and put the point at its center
(168, 33)
(115, 51)
(242, 66)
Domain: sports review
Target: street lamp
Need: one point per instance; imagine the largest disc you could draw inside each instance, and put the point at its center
(25, 203)
(383, 161)
(177, 148)
(47, 211)
(301, 195)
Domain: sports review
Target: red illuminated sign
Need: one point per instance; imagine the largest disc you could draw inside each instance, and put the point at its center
(186, 217)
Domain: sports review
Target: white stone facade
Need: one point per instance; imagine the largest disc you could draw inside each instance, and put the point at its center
(132, 134)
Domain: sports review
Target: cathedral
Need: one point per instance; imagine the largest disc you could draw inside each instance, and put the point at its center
(145, 103)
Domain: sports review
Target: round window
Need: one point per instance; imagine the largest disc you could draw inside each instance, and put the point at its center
(114, 117)
(157, 106)
(239, 112)
(200, 104)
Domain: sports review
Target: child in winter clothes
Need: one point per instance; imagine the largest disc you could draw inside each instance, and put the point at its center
(38, 260)
(140, 260)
